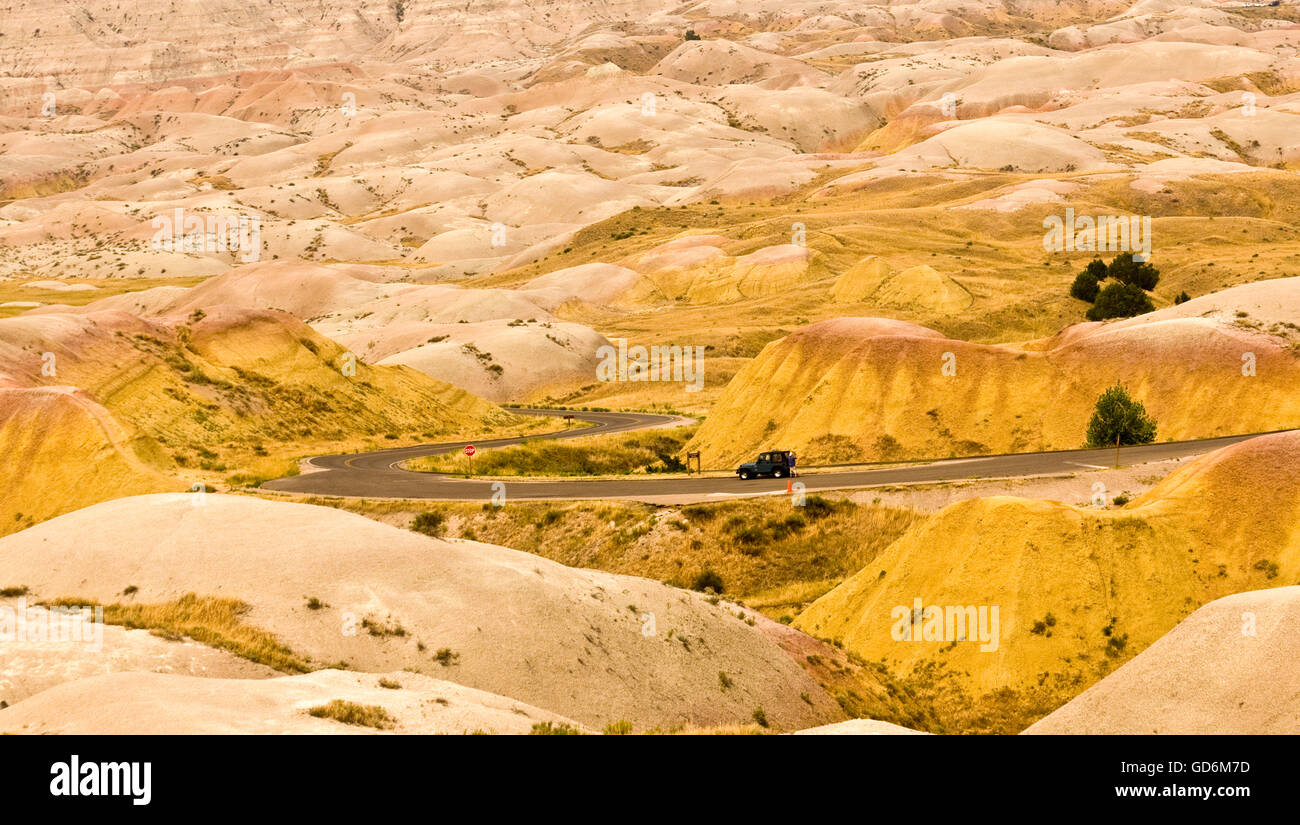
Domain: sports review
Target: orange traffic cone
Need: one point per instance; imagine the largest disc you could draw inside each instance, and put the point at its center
(789, 486)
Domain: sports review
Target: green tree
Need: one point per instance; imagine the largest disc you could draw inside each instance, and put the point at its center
(1119, 301)
(1085, 286)
(1128, 271)
(1119, 420)
(1097, 269)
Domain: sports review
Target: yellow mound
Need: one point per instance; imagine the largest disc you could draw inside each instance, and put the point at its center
(916, 288)
(233, 373)
(901, 132)
(234, 389)
(860, 281)
(1229, 668)
(837, 391)
(693, 268)
(60, 451)
(1076, 590)
(922, 286)
(768, 271)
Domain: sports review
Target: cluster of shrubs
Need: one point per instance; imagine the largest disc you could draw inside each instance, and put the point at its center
(1126, 293)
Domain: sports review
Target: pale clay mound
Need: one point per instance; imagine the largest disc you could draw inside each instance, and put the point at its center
(36, 662)
(1271, 306)
(443, 331)
(1229, 668)
(590, 645)
(158, 703)
(500, 361)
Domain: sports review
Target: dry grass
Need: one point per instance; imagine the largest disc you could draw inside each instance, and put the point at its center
(15, 291)
(943, 705)
(718, 730)
(652, 451)
(775, 556)
(350, 713)
(213, 621)
(554, 729)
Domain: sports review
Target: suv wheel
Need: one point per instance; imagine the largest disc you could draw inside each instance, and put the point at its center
(778, 474)
(744, 475)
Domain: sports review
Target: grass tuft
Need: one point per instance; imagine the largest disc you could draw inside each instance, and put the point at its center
(350, 713)
(213, 621)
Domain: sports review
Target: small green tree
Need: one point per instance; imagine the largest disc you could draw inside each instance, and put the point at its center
(1085, 287)
(1128, 271)
(1119, 301)
(1119, 420)
(1097, 269)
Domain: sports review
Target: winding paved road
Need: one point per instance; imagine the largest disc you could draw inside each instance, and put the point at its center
(376, 475)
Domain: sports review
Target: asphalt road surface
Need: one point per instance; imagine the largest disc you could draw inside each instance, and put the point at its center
(376, 475)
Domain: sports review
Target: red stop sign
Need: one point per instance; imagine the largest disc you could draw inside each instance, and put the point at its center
(469, 449)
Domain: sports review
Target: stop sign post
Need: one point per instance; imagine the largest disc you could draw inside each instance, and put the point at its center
(469, 453)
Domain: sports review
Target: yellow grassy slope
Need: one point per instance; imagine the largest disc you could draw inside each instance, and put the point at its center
(1228, 522)
(62, 451)
(233, 374)
(1214, 231)
(235, 392)
(872, 389)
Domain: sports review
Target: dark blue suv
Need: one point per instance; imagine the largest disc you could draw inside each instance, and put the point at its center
(778, 464)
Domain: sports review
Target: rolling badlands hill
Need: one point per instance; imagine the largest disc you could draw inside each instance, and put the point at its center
(874, 389)
(414, 165)
(103, 404)
(1226, 669)
(233, 236)
(1077, 588)
(589, 645)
